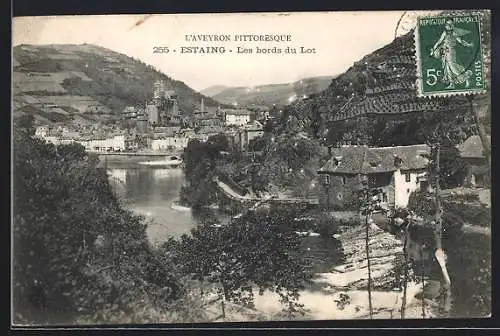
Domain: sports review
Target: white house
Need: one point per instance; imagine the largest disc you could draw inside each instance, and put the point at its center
(397, 171)
(237, 117)
(52, 139)
(41, 131)
(167, 143)
(115, 143)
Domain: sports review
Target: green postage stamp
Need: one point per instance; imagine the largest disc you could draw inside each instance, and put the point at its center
(449, 55)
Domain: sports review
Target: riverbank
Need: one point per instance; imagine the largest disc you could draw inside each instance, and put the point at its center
(341, 293)
(349, 281)
(131, 157)
(154, 193)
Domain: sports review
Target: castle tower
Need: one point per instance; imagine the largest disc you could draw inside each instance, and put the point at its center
(158, 89)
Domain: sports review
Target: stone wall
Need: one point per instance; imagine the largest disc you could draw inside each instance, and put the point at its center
(340, 193)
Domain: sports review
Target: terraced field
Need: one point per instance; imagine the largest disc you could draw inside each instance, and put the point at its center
(78, 83)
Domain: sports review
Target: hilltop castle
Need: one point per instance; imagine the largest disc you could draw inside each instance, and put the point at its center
(161, 109)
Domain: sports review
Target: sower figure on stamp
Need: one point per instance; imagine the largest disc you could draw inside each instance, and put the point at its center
(445, 49)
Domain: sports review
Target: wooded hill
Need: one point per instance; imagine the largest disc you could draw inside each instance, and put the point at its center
(87, 83)
(271, 94)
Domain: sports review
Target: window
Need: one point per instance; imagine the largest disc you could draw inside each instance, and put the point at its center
(407, 177)
(339, 196)
(327, 179)
(343, 180)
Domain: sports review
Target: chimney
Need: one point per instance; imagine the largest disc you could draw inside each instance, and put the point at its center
(397, 161)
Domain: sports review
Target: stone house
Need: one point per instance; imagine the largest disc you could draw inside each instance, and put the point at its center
(398, 171)
(248, 132)
(478, 172)
(153, 114)
(115, 142)
(209, 131)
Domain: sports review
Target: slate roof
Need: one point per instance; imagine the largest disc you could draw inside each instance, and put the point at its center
(170, 93)
(368, 160)
(252, 126)
(168, 130)
(237, 112)
(205, 116)
(210, 129)
(472, 147)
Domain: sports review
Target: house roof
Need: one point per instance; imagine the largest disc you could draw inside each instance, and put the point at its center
(205, 116)
(167, 130)
(170, 93)
(367, 160)
(252, 126)
(237, 112)
(210, 129)
(472, 147)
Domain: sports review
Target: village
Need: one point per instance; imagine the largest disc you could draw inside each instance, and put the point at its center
(161, 127)
(346, 193)
(395, 173)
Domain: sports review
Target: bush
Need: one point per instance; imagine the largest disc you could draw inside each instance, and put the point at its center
(242, 254)
(76, 253)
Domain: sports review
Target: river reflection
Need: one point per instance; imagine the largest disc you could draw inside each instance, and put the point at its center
(152, 192)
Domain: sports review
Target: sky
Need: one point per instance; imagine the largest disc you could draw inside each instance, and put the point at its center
(339, 39)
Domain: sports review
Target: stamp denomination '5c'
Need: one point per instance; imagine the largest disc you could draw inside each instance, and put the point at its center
(449, 55)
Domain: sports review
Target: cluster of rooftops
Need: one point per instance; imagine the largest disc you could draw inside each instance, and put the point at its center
(370, 160)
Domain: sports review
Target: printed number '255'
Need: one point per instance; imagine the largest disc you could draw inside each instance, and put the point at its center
(160, 50)
(432, 76)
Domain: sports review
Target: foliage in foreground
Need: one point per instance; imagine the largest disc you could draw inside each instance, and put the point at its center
(471, 287)
(77, 253)
(80, 257)
(255, 252)
(285, 162)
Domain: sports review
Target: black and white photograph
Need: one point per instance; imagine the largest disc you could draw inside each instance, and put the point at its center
(251, 167)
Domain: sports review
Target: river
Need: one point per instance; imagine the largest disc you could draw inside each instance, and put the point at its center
(153, 191)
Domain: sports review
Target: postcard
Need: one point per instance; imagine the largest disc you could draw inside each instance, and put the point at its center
(206, 168)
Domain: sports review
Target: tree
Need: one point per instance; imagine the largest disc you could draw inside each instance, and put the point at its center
(244, 255)
(76, 252)
(367, 201)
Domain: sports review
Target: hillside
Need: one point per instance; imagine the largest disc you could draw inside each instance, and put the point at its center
(268, 95)
(213, 90)
(374, 102)
(86, 83)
